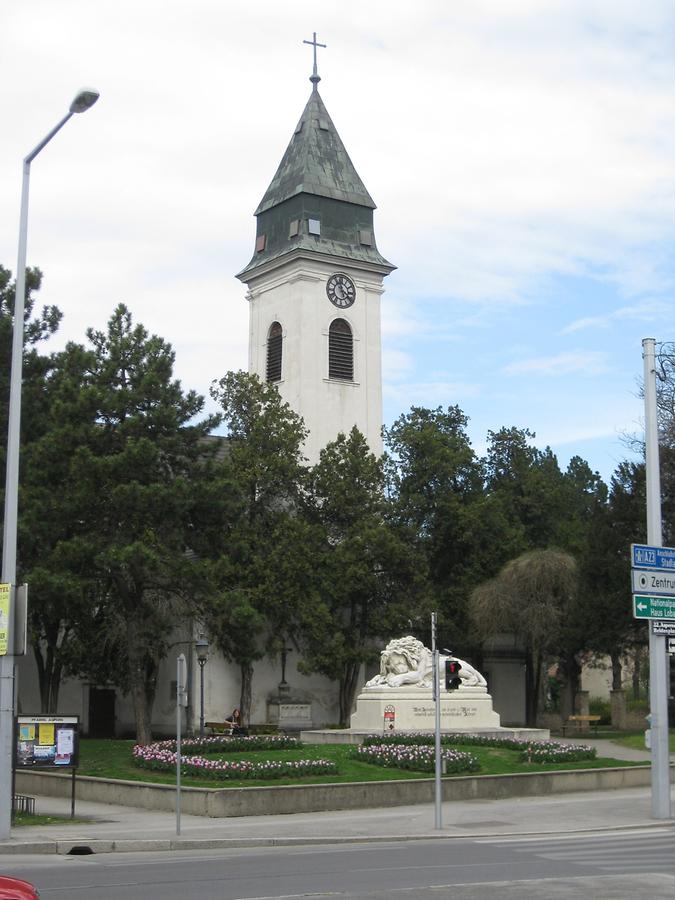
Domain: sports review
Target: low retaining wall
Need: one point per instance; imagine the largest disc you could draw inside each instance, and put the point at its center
(261, 801)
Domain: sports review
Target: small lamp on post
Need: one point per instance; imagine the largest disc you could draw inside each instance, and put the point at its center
(202, 650)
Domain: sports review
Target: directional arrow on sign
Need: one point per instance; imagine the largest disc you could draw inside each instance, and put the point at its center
(646, 607)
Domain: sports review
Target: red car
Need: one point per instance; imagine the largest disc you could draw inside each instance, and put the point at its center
(17, 889)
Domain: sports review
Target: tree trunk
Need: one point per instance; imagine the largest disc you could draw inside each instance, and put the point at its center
(571, 672)
(142, 714)
(348, 682)
(617, 671)
(530, 697)
(49, 668)
(246, 691)
(636, 675)
(143, 670)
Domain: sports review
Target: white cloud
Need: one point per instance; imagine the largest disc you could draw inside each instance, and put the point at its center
(589, 363)
(645, 311)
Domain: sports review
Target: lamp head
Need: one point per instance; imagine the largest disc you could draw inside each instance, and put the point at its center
(202, 648)
(83, 100)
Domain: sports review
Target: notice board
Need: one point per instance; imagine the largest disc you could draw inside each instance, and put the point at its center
(47, 742)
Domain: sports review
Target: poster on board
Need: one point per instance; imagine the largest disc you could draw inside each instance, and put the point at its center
(47, 742)
(5, 606)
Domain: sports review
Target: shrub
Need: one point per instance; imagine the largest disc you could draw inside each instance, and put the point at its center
(598, 706)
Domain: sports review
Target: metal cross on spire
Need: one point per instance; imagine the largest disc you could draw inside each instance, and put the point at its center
(314, 78)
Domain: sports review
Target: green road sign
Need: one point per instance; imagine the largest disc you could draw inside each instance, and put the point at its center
(653, 607)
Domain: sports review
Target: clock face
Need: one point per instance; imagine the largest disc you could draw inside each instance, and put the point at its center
(341, 291)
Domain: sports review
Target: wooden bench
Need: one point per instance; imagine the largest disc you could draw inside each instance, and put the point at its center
(219, 727)
(579, 720)
(226, 728)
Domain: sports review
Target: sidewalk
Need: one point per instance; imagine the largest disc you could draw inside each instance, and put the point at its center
(118, 828)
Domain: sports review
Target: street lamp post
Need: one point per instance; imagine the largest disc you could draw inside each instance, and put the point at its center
(202, 649)
(83, 101)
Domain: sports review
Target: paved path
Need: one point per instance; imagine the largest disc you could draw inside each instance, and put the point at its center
(608, 748)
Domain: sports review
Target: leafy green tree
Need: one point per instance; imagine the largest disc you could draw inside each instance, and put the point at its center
(436, 488)
(528, 484)
(371, 582)
(130, 481)
(531, 597)
(37, 370)
(258, 562)
(37, 328)
(52, 536)
(605, 569)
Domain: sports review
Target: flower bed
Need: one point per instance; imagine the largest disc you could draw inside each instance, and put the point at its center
(226, 744)
(530, 751)
(554, 751)
(161, 756)
(420, 758)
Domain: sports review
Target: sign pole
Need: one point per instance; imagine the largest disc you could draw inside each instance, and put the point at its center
(438, 819)
(658, 697)
(180, 702)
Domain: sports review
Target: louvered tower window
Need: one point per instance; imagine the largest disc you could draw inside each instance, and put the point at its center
(274, 352)
(340, 351)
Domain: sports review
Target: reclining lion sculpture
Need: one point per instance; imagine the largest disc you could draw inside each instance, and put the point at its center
(406, 661)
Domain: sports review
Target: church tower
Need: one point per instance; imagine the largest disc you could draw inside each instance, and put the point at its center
(314, 286)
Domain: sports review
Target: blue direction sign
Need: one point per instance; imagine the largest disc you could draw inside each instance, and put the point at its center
(644, 557)
(645, 607)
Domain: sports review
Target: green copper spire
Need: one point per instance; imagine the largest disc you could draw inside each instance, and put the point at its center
(316, 162)
(316, 201)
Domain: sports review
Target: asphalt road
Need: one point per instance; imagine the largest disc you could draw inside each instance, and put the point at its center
(638, 864)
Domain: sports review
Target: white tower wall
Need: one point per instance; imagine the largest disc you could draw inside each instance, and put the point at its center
(294, 294)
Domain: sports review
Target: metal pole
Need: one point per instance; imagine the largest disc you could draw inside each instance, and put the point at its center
(438, 798)
(658, 676)
(180, 669)
(9, 533)
(201, 697)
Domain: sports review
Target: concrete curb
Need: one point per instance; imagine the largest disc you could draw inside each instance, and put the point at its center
(65, 847)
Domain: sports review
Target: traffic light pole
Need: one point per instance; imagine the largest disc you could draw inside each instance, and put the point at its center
(438, 818)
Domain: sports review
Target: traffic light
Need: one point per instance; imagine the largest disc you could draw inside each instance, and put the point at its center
(452, 679)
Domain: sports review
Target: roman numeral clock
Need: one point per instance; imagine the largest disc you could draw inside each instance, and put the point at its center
(341, 291)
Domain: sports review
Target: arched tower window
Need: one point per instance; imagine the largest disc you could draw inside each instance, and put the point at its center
(340, 351)
(274, 336)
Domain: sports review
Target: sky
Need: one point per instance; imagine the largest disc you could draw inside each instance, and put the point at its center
(521, 154)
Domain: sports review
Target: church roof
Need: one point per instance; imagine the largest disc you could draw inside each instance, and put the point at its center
(316, 162)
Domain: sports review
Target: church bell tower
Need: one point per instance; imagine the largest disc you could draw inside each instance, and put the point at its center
(314, 286)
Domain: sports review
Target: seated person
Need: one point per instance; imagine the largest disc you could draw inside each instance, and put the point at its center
(234, 719)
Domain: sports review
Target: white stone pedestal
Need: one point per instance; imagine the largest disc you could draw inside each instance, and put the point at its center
(407, 709)
(289, 713)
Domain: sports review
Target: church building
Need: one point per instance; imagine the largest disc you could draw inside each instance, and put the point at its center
(314, 285)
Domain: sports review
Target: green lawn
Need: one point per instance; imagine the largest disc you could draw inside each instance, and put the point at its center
(637, 740)
(28, 819)
(112, 759)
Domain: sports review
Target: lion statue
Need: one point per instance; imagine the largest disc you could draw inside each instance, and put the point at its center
(406, 660)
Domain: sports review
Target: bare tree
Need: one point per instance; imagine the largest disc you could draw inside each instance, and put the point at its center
(529, 598)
